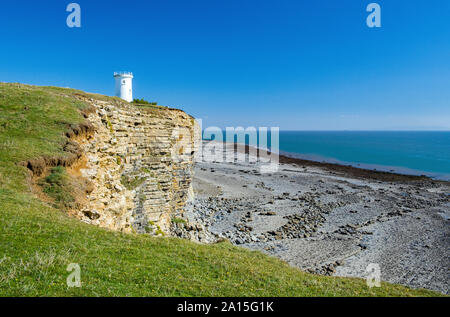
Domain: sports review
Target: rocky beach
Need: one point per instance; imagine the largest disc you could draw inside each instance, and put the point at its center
(326, 219)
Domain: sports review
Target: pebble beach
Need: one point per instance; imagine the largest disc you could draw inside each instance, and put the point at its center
(327, 219)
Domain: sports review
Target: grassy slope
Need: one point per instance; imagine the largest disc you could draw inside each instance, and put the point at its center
(37, 242)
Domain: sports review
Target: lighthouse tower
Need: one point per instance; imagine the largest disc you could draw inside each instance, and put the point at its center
(124, 85)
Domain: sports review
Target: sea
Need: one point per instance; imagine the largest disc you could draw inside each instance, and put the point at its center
(406, 152)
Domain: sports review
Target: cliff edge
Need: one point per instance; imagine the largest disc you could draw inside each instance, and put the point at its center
(140, 160)
(130, 166)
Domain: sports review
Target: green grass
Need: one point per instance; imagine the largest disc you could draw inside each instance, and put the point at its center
(132, 182)
(38, 242)
(57, 186)
(178, 220)
(144, 102)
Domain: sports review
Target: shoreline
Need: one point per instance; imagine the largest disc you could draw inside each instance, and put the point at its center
(346, 169)
(327, 219)
(398, 170)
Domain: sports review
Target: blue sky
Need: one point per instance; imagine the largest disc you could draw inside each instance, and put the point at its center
(298, 65)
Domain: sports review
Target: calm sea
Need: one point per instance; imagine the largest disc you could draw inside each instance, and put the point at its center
(414, 153)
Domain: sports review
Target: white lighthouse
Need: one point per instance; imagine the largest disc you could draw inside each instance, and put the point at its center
(124, 85)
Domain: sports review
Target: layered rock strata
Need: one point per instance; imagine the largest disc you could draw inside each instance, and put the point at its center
(139, 161)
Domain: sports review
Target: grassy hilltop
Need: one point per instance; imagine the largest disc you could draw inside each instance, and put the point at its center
(38, 241)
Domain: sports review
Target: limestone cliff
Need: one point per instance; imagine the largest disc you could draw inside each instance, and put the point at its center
(139, 161)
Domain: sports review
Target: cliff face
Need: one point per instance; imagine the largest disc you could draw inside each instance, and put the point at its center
(139, 162)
